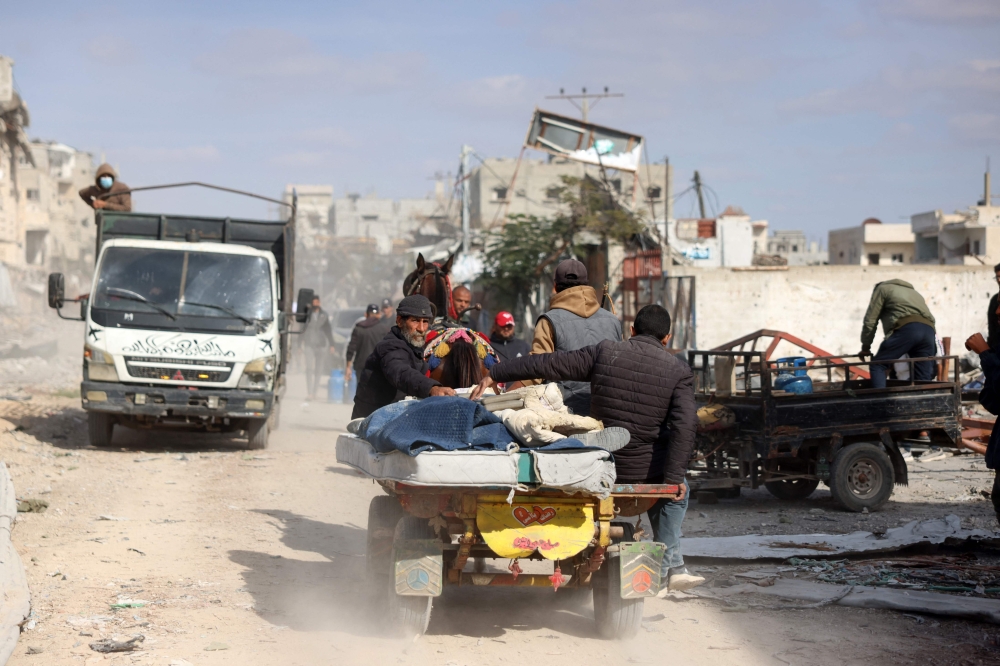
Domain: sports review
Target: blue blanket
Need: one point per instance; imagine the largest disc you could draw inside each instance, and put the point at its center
(441, 423)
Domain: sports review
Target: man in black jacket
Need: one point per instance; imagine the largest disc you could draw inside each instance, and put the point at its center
(502, 338)
(396, 368)
(993, 318)
(639, 386)
(366, 334)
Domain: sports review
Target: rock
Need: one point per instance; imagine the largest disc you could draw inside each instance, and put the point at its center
(32, 506)
(34, 649)
(214, 645)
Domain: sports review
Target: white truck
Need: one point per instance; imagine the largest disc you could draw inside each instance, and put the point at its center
(186, 323)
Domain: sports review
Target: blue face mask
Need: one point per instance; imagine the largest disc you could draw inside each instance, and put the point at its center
(105, 182)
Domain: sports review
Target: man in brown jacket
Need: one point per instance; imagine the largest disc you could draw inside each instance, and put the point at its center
(575, 319)
(106, 182)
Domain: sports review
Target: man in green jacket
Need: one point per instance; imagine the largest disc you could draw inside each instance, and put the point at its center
(907, 324)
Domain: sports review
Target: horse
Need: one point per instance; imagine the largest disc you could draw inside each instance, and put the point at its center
(431, 279)
(458, 357)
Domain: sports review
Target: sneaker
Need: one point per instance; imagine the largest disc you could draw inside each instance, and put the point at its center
(681, 579)
(609, 439)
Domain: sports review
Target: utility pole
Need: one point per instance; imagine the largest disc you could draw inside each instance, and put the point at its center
(986, 185)
(585, 106)
(668, 193)
(463, 173)
(701, 197)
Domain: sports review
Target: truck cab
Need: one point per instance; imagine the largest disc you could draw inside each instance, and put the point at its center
(186, 324)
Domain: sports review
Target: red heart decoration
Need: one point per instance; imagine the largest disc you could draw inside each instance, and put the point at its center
(523, 516)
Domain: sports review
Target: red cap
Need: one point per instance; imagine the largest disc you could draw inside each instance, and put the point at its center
(504, 319)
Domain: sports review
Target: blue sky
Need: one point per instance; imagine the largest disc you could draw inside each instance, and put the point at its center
(813, 115)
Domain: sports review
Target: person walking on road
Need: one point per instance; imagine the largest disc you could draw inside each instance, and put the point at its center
(574, 320)
(366, 334)
(989, 397)
(908, 326)
(396, 368)
(639, 386)
(502, 338)
(106, 182)
(317, 341)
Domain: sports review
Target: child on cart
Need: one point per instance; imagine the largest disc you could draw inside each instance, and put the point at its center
(637, 385)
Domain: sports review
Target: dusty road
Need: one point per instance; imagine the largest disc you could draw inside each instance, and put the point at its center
(232, 557)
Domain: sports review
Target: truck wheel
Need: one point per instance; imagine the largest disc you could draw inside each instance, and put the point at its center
(410, 615)
(257, 434)
(792, 489)
(100, 427)
(861, 477)
(384, 513)
(616, 618)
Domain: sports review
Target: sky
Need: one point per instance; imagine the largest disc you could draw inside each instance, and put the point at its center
(812, 115)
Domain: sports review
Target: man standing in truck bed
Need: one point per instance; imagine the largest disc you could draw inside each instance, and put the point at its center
(908, 326)
(106, 182)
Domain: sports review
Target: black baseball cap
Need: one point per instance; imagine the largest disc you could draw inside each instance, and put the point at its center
(386, 303)
(570, 273)
(371, 309)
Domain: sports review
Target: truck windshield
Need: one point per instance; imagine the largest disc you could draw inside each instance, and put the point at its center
(178, 284)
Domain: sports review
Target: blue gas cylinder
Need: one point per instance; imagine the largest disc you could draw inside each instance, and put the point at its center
(335, 389)
(793, 375)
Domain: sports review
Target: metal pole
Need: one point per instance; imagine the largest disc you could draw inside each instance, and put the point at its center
(464, 174)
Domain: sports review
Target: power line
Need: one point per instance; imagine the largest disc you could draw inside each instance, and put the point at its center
(585, 97)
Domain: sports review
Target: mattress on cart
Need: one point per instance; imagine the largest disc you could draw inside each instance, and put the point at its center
(588, 471)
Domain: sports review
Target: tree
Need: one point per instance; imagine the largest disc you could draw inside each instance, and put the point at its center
(528, 247)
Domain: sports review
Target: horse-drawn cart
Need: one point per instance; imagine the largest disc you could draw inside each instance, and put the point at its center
(443, 509)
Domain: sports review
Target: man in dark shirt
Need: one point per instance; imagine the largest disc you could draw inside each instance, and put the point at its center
(502, 338)
(993, 317)
(366, 334)
(637, 385)
(396, 368)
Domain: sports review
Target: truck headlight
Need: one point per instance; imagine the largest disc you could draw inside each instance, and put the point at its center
(258, 374)
(100, 365)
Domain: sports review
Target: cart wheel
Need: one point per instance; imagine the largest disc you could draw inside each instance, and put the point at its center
(100, 428)
(792, 489)
(409, 614)
(257, 432)
(383, 514)
(861, 477)
(616, 618)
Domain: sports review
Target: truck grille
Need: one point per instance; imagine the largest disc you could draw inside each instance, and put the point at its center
(168, 369)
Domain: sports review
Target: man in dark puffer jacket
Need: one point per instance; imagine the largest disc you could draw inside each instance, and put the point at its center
(639, 386)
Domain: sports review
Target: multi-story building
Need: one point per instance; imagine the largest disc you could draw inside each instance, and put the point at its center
(796, 249)
(970, 237)
(872, 244)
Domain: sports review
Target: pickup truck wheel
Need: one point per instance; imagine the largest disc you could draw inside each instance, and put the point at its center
(410, 615)
(100, 428)
(257, 432)
(861, 477)
(792, 489)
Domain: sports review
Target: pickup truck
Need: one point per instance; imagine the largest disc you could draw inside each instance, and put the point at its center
(843, 433)
(186, 323)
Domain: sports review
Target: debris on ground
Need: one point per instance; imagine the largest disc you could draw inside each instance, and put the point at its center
(214, 646)
(32, 506)
(108, 645)
(752, 547)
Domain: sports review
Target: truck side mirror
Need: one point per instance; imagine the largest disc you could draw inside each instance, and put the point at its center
(302, 304)
(57, 290)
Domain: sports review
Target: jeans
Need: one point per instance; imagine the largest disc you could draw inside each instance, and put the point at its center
(666, 517)
(915, 339)
(315, 358)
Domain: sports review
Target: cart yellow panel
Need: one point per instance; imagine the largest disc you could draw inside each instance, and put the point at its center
(556, 530)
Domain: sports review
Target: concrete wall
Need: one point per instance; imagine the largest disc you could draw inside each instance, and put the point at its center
(825, 305)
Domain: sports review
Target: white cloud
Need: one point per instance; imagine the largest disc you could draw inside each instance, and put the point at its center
(976, 127)
(276, 59)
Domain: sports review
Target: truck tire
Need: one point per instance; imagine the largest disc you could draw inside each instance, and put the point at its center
(384, 513)
(409, 615)
(100, 428)
(257, 432)
(861, 477)
(792, 489)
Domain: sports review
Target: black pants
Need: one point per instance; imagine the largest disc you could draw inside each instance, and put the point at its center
(917, 340)
(315, 368)
(995, 495)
